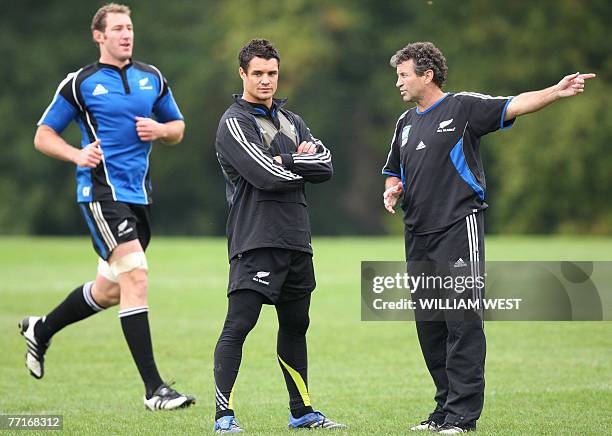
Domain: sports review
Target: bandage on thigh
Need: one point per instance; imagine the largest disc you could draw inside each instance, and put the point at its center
(129, 262)
(105, 271)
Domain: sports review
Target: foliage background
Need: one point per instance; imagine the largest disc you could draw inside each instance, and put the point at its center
(550, 173)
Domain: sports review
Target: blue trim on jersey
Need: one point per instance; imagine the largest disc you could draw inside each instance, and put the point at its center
(461, 165)
(432, 106)
(389, 173)
(403, 177)
(94, 232)
(506, 124)
(260, 110)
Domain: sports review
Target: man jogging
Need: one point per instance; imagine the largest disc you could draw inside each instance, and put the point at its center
(113, 101)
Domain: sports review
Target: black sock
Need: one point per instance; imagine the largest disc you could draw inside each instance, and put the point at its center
(299, 412)
(292, 357)
(78, 305)
(135, 325)
(243, 311)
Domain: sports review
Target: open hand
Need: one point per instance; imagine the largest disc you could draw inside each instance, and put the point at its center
(391, 195)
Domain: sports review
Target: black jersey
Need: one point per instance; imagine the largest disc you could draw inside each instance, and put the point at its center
(267, 203)
(436, 153)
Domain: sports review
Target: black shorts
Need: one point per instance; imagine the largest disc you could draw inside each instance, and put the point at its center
(112, 223)
(276, 273)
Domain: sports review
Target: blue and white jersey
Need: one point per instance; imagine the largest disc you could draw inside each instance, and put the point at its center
(105, 100)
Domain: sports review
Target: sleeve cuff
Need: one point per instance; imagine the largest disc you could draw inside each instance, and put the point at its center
(506, 124)
(392, 174)
(287, 160)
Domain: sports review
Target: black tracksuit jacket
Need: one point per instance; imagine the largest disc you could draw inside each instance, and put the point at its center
(267, 205)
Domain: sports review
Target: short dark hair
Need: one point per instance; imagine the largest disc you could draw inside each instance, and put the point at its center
(99, 20)
(425, 56)
(261, 48)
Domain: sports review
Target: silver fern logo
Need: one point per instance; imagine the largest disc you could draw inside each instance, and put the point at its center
(442, 127)
(261, 275)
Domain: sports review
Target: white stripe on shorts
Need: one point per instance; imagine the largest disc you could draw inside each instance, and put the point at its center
(107, 235)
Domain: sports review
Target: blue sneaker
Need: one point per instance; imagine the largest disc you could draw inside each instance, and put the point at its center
(227, 424)
(313, 420)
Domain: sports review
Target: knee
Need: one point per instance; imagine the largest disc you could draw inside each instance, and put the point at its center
(237, 328)
(135, 282)
(106, 296)
(296, 326)
(242, 327)
(131, 271)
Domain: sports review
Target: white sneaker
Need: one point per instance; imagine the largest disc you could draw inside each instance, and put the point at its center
(35, 352)
(166, 398)
(447, 428)
(427, 425)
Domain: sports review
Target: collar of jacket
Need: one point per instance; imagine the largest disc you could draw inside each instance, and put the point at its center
(260, 109)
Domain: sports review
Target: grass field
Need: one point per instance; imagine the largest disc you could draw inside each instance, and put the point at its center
(542, 377)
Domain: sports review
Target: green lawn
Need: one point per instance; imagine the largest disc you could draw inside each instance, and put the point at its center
(542, 377)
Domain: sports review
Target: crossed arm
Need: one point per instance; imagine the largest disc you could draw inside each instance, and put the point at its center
(306, 147)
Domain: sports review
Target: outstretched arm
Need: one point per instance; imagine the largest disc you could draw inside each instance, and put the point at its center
(528, 102)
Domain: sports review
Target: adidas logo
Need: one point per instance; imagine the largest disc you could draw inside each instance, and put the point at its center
(144, 83)
(421, 146)
(443, 124)
(260, 275)
(460, 263)
(99, 89)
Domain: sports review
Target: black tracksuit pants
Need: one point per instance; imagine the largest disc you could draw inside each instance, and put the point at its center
(452, 341)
